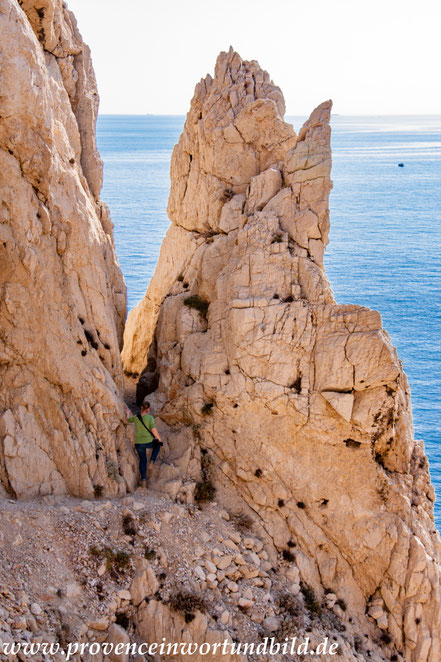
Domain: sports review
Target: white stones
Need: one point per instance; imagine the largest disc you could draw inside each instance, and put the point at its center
(231, 545)
(124, 594)
(376, 611)
(382, 621)
(271, 624)
(224, 562)
(200, 574)
(292, 574)
(36, 609)
(166, 517)
(210, 566)
(225, 618)
(295, 590)
(211, 580)
(19, 623)
(239, 560)
(99, 624)
(330, 598)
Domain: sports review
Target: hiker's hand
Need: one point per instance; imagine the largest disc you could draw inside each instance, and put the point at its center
(128, 412)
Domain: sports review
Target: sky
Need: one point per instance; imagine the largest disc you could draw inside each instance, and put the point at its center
(369, 56)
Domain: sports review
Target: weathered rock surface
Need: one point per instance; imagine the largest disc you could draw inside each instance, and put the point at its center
(63, 299)
(302, 403)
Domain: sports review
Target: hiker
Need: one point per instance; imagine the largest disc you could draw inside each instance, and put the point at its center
(146, 436)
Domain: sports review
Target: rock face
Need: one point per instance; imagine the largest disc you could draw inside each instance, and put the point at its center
(302, 403)
(63, 301)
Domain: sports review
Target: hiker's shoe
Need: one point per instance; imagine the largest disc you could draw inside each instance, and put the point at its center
(143, 483)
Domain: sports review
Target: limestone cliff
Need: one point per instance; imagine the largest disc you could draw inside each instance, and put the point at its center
(63, 300)
(302, 403)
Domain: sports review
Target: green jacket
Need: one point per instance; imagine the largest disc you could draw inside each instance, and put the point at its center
(142, 436)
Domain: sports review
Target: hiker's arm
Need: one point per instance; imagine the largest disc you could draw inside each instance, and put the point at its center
(130, 417)
(156, 433)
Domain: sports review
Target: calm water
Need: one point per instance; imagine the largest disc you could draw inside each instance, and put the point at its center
(384, 249)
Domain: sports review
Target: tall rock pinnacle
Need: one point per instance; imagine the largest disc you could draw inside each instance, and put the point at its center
(301, 402)
(63, 300)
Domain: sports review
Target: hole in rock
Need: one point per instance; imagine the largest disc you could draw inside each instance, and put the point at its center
(280, 503)
(300, 505)
(122, 620)
(90, 339)
(297, 385)
(351, 443)
(227, 195)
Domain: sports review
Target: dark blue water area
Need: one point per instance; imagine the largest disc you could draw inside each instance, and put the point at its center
(385, 239)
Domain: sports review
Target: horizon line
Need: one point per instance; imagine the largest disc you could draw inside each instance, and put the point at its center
(286, 114)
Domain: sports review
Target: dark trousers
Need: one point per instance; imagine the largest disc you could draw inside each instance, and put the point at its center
(141, 449)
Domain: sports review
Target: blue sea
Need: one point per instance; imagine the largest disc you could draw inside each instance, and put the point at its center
(385, 240)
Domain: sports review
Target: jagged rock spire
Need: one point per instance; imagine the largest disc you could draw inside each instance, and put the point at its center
(302, 403)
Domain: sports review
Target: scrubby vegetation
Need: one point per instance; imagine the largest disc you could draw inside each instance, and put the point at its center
(310, 600)
(187, 603)
(243, 521)
(205, 489)
(198, 303)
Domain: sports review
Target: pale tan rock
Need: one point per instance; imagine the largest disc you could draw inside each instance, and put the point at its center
(155, 621)
(118, 637)
(144, 583)
(100, 624)
(63, 301)
(301, 403)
